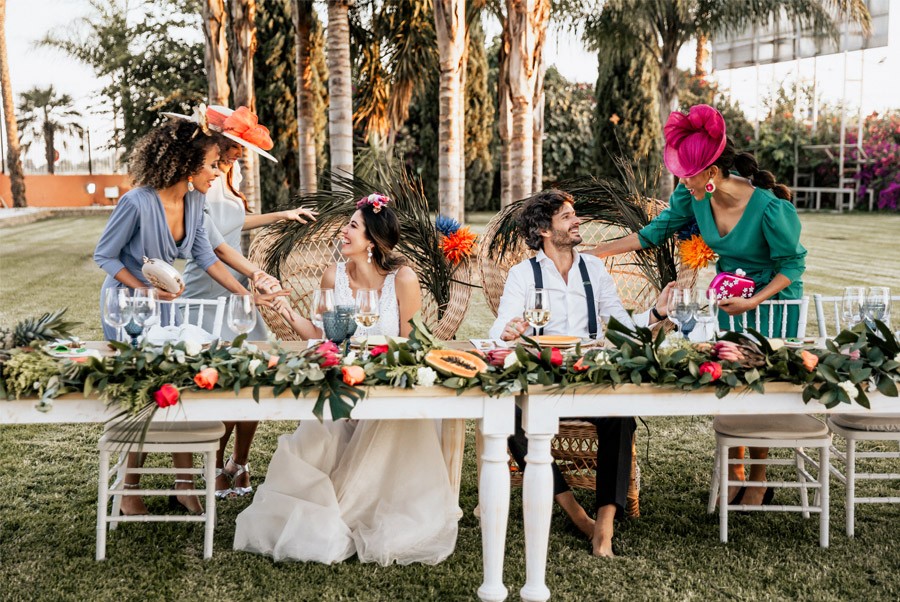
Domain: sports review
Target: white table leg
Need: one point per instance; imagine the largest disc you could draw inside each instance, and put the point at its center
(537, 497)
(493, 496)
(453, 444)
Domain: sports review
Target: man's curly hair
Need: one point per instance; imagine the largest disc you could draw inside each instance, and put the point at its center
(169, 154)
(537, 214)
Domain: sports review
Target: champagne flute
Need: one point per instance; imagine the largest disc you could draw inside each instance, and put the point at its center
(537, 307)
(707, 312)
(117, 308)
(144, 307)
(322, 301)
(877, 306)
(241, 313)
(683, 309)
(366, 314)
(852, 306)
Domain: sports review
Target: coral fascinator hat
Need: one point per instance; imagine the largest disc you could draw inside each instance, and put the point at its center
(693, 141)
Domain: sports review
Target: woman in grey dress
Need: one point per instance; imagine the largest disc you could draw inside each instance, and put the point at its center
(172, 167)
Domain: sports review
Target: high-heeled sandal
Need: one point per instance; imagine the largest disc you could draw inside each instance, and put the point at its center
(241, 469)
(223, 494)
(175, 503)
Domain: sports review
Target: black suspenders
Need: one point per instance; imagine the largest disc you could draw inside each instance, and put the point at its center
(588, 293)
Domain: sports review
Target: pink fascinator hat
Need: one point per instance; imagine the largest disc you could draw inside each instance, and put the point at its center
(693, 141)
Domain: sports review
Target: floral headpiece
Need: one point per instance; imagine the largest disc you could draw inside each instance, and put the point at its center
(375, 200)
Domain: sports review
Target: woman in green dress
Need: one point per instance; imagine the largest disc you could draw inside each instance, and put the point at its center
(746, 218)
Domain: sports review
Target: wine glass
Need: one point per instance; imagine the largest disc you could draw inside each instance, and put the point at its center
(877, 306)
(322, 301)
(117, 308)
(366, 314)
(852, 306)
(144, 306)
(707, 313)
(537, 307)
(241, 313)
(683, 309)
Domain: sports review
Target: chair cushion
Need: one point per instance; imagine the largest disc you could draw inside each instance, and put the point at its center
(868, 422)
(170, 432)
(774, 426)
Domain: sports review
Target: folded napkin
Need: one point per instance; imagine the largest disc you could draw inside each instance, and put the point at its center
(186, 333)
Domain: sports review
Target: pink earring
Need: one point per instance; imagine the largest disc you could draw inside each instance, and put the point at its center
(710, 187)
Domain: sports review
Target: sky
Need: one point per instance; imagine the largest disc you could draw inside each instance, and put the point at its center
(29, 20)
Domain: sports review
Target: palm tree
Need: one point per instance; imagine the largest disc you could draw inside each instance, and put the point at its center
(243, 26)
(13, 153)
(216, 55)
(43, 114)
(340, 107)
(450, 26)
(302, 15)
(664, 26)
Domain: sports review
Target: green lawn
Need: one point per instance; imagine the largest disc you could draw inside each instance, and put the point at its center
(48, 484)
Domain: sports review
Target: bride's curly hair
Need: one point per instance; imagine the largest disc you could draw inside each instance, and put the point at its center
(169, 154)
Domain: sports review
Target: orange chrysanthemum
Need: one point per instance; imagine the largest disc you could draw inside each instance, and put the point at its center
(458, 245)
(695, 253)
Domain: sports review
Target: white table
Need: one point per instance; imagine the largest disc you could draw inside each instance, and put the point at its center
(542, 409)
(495, 418)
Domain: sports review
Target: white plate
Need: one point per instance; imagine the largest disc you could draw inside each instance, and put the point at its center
(162, 275)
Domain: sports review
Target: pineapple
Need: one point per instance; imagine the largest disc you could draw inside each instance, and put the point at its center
(48, 327)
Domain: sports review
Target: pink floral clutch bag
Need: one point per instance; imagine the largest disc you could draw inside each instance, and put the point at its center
(727, 285)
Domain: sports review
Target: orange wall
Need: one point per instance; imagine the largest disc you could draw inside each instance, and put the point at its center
(65, 191)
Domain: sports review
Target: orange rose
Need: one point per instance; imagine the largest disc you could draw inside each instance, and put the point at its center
(810, 360)
(273, 361)
(579, 366)
(207, 378)
(353, 375)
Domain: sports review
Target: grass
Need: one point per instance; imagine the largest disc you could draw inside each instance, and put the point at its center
(48, 484)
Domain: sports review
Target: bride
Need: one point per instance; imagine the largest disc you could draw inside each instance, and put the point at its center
(378, 489)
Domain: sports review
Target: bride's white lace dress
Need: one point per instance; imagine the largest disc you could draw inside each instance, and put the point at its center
(378, 489)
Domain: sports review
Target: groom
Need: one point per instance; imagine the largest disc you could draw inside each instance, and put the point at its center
(581, 290)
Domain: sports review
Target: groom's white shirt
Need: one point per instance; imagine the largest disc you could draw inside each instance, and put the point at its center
(568, 307)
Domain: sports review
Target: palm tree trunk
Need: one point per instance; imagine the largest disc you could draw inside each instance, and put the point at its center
(462, 124)
(450, 26)
(702, 55)
(340, 108)
(306, 127)
(215, 56)
(668, 102)
(504, 126)
(13, 152)
(49, 148)
(537, 176)
(243, 23)
(527, 22)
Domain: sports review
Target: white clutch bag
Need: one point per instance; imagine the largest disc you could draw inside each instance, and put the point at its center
(162, 275)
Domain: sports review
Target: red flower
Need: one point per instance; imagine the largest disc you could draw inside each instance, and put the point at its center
(165, 396)
(353, 375)
(458, 245)
(329, 353)
(714, 369)
(378, 350)
(579, 366)
(496, 357)
(207, 378)
(556, 357)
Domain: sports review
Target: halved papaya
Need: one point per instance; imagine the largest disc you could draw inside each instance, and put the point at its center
(455, 363)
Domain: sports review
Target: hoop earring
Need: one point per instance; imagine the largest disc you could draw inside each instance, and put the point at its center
(369, 258)
(190, 183)
(710, 186)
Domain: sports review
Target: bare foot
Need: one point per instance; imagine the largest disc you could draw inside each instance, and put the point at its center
(133, 505)
(602, 544)
(585, 524)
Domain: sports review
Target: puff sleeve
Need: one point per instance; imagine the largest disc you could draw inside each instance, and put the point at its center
(781, 228)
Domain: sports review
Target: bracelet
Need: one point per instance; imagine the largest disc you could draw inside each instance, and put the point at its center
(656, 314)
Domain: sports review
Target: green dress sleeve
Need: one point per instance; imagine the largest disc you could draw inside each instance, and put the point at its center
(677, 215)
(781, 228)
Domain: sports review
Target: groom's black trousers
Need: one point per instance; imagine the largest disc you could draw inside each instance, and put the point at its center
(614, 437)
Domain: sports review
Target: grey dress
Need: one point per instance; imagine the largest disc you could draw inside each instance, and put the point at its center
(138, 228)
(224, 222)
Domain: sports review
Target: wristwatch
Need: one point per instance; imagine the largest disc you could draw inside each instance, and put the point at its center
(656, 314)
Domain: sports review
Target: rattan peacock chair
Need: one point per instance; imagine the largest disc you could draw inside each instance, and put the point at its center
(607, 214)
(297, 254)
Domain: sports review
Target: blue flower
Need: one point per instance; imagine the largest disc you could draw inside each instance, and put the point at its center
(690, 229)
(446, 225)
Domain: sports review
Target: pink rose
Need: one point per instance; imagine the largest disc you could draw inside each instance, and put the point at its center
(714, 369)
(353, 375)
(378, 350)
(207, 378)
(165, 396)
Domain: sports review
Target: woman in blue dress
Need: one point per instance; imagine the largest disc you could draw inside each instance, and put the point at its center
(162, 217)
